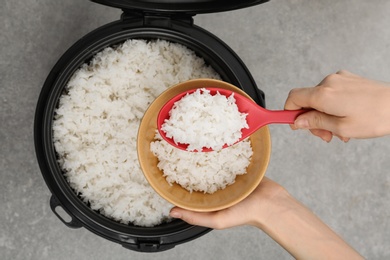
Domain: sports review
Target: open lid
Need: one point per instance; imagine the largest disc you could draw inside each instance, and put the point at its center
(181, 6)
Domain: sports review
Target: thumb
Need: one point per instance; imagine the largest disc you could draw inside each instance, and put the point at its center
(317, 120)
(204, 219)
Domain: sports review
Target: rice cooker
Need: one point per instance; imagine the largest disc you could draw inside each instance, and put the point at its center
(149, 19)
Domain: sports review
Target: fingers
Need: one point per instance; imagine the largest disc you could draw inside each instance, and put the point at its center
(203, 219)
(323, 134)
(320, 124)
(317, 120)
(347, 73)
(299, 98)
(328, 117)
(344, 139)
(312, 97)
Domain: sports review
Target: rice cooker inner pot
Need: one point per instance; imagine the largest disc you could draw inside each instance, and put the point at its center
(134, 24)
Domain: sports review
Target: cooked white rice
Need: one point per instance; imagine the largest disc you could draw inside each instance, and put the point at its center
(205, 172)
(97, 119)
(202, 120)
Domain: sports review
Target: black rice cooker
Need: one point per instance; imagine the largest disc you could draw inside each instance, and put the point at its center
(149, 19)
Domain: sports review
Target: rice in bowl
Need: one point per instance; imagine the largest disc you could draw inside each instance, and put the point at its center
(203, 172)
(176, 194)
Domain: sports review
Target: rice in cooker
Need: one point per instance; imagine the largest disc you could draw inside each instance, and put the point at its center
(96, 123)
(201, 119)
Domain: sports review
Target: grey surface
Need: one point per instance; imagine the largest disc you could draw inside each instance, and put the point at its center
(285, 44)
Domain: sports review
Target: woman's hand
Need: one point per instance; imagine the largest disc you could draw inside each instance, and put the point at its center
(345, 105)
(251, 211)
(271, 208)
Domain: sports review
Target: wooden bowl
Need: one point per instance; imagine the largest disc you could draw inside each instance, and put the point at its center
(199, 201)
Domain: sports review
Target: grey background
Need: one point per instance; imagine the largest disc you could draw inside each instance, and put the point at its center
(285, 44)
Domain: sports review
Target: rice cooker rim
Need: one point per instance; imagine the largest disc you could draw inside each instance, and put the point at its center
(166, 235)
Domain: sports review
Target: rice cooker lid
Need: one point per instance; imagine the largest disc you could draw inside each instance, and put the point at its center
(191, 7)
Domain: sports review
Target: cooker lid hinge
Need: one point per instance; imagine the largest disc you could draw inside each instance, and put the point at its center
(157, 19)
